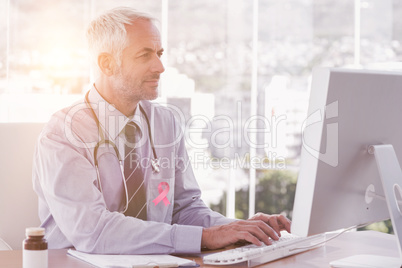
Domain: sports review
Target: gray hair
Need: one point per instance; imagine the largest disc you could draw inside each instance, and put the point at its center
(107, 33)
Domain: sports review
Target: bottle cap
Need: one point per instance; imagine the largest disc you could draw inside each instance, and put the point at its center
(35, 231)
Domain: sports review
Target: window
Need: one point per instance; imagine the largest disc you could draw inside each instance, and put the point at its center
(235, 88)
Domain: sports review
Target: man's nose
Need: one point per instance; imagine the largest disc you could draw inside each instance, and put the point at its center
(157, 66)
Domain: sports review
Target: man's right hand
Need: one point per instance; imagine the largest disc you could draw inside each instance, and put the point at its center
(253, 231)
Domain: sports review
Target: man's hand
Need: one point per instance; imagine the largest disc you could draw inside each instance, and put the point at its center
(277, 222)
(257, 229)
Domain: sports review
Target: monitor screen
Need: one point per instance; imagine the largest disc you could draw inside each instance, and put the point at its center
(349, 111)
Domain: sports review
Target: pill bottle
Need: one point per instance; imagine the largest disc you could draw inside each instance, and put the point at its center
(34, 248)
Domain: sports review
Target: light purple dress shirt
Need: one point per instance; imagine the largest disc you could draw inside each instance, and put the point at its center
(77, 214)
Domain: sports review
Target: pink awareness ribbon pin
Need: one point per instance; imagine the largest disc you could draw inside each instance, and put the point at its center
(162, 194)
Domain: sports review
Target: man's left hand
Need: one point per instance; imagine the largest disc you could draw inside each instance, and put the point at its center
(277, 222)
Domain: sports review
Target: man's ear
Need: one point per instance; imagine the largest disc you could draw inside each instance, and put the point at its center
(107, 64)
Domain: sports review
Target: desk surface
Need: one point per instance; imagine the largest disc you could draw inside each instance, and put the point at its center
(351, 243)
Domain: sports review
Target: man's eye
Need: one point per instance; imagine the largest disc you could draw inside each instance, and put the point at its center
(160, 54)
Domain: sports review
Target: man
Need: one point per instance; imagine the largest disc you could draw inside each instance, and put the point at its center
(82, 189)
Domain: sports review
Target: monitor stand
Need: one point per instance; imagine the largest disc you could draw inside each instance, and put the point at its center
(391, 177)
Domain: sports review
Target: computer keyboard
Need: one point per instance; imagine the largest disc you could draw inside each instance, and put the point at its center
(287, 245)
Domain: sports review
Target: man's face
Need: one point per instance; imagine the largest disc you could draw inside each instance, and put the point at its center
(138, 76)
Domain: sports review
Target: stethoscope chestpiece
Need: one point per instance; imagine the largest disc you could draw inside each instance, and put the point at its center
(155, 165)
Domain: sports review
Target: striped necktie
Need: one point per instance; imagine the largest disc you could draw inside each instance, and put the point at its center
(137, 206)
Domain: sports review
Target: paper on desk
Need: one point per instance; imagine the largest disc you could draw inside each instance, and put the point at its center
(130, 260)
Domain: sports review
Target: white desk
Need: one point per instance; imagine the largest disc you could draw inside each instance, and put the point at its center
(352, 243)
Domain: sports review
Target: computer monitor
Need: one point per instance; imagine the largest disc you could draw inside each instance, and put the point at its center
(339, 184)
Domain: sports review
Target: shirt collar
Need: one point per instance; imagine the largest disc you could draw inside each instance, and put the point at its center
(110, 118)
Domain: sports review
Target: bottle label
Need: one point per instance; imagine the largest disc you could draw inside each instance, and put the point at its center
(34, 258)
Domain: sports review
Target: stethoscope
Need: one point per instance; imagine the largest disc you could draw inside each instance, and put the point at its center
(154, 162)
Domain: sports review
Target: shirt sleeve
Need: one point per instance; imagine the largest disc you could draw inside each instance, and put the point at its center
(72, 208)
(189, 208)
